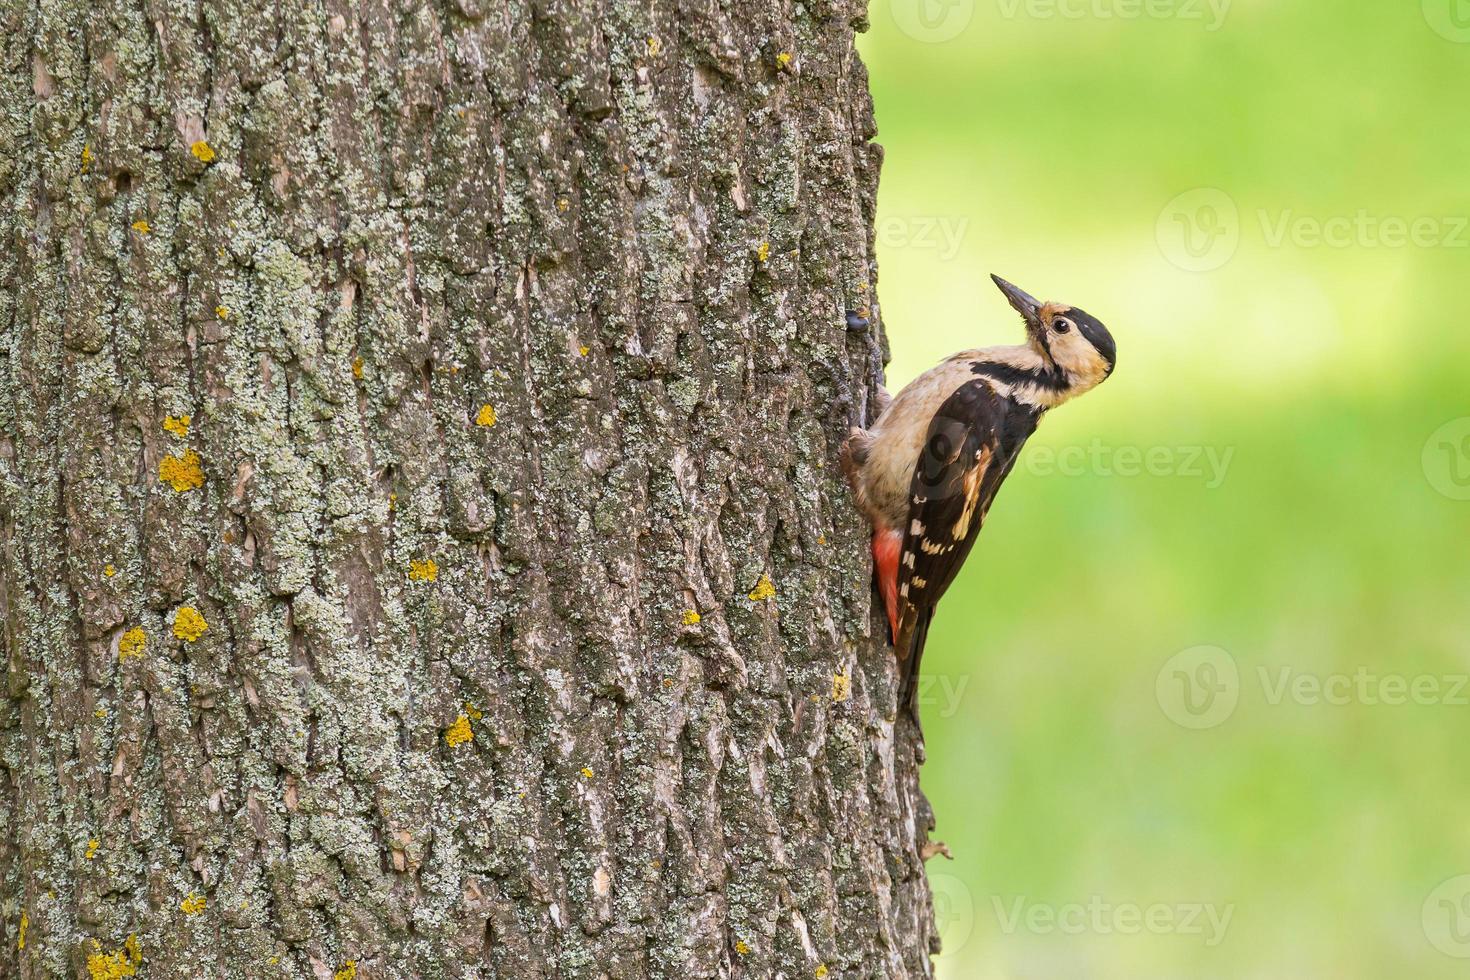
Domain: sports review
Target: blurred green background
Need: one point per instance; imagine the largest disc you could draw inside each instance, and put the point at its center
(1266, 204)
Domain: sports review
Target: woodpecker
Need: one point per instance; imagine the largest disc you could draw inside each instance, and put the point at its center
(927, 471)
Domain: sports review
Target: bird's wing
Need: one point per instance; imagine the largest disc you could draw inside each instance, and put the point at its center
(971, 445)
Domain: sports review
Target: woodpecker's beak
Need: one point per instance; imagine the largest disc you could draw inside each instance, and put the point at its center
(1026, 304)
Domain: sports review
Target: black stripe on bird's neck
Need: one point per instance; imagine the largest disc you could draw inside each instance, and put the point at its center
(1046, 357)
(1050, 379)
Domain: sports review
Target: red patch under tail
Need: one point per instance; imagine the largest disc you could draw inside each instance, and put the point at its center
(886, 546)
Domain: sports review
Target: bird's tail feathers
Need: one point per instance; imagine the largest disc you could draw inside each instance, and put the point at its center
(910, 649)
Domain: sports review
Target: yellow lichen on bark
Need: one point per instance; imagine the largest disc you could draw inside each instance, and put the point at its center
(193, 904)
(92, 846)
(189, 625)
(177, 424)
(459, 732)
(841, 686)
(182, 472)
(690, 618)
(202, 151)
(117, 964)
(764, 589)
(141, 226)
(110, 966)
(486, 416)
(132, 644)
(25, 923)
(348, 971)
(423, 570)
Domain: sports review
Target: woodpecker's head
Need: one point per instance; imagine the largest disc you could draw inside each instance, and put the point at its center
(1072, 341)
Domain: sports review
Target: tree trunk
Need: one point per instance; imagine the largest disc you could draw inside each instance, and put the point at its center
(424, 553)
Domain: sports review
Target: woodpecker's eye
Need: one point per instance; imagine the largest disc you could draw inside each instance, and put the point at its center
(1061, 326)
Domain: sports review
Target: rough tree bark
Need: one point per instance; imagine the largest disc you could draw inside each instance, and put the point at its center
(423, 549)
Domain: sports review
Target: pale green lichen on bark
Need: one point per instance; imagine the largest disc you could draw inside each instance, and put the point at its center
(407, 216)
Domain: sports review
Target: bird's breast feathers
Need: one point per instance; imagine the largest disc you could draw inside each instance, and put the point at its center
(899, 435)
